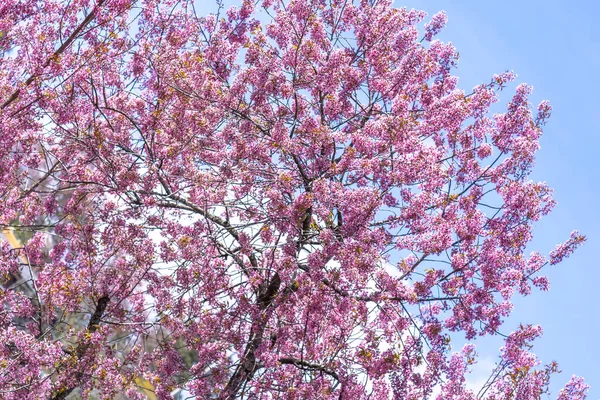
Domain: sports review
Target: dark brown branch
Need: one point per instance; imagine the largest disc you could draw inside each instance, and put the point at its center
(248, 364)
(83, 347)
(309, 366)
(268, 295)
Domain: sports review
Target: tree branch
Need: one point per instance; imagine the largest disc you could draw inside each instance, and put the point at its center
(83, 347)
(89, 18)
(309, 366)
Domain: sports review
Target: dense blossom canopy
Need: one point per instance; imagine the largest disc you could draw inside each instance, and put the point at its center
(284, 200)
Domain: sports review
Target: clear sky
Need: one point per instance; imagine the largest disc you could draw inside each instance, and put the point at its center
(554, 46)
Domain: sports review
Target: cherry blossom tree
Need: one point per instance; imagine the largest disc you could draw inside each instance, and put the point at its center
(283, 200)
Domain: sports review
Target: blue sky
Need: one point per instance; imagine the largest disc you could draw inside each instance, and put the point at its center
(554, 46)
